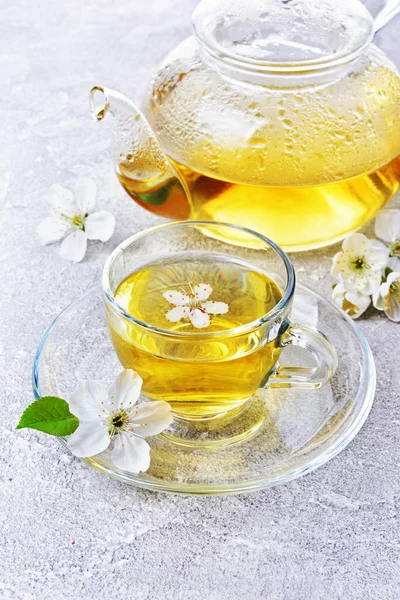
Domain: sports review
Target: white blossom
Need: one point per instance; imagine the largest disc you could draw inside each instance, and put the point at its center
(387, 297)
(360, 264)
(194, 305)
(387, 228)
(72, 220)
(114, 416)
(353, 303)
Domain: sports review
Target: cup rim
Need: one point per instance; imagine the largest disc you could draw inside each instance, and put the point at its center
(269, 316)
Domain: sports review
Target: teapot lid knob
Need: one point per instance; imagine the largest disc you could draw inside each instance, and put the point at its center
(283, 34)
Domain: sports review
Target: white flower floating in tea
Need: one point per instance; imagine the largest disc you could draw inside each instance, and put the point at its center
(73, 221)
(194, 306)
(366, 268)
(360, 263)
(114, 416)
(387, 228)
(387, 298)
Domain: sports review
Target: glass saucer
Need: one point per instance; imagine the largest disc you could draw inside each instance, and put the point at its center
(293, 431)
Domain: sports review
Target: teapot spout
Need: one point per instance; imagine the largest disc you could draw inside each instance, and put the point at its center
(143, 169)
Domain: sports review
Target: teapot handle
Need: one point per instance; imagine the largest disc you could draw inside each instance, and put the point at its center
(388, 12)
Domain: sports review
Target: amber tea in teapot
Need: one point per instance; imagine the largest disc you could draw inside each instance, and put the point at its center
(278, 116)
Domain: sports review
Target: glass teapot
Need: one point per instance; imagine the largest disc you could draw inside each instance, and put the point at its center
(278, 115)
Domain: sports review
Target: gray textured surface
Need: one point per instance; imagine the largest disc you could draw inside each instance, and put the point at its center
(68, 532)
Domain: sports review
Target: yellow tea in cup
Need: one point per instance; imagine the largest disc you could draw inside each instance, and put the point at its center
(200, 375)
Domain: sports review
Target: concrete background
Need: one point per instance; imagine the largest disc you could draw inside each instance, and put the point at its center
(69, 532)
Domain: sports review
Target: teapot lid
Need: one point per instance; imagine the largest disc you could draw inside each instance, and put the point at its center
(283, 34)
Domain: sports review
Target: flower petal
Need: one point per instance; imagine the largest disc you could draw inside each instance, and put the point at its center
(394, 276)
(392, 309)
(394, 314)
(355, 243)
(360, 302)
(338, 293)
(387, 225)
(176, 298)
(392, 297)
(62, 201)
(176, 314)
(89, 439)
(85, 194)
(74, 245)
(394, 263)
(340, 266)
(378, 300)
(100, 225)
(370, 282)
(384, 289)
(130, 453)
(367, 284)
(125, 389)
(52, 229)
(352, 303)
(377, 254)
(89, 400)
(151, 418)
(387, 298)
(199, 318)
(202, 291)
(215, 308)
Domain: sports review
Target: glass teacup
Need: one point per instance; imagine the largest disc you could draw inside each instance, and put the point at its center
(204, 321)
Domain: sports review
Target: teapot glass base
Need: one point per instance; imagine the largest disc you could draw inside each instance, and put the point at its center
(297, 218)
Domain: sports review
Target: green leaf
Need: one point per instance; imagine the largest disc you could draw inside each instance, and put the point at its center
(51, 415)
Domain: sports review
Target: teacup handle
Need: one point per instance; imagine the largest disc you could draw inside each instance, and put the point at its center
(322, 351)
